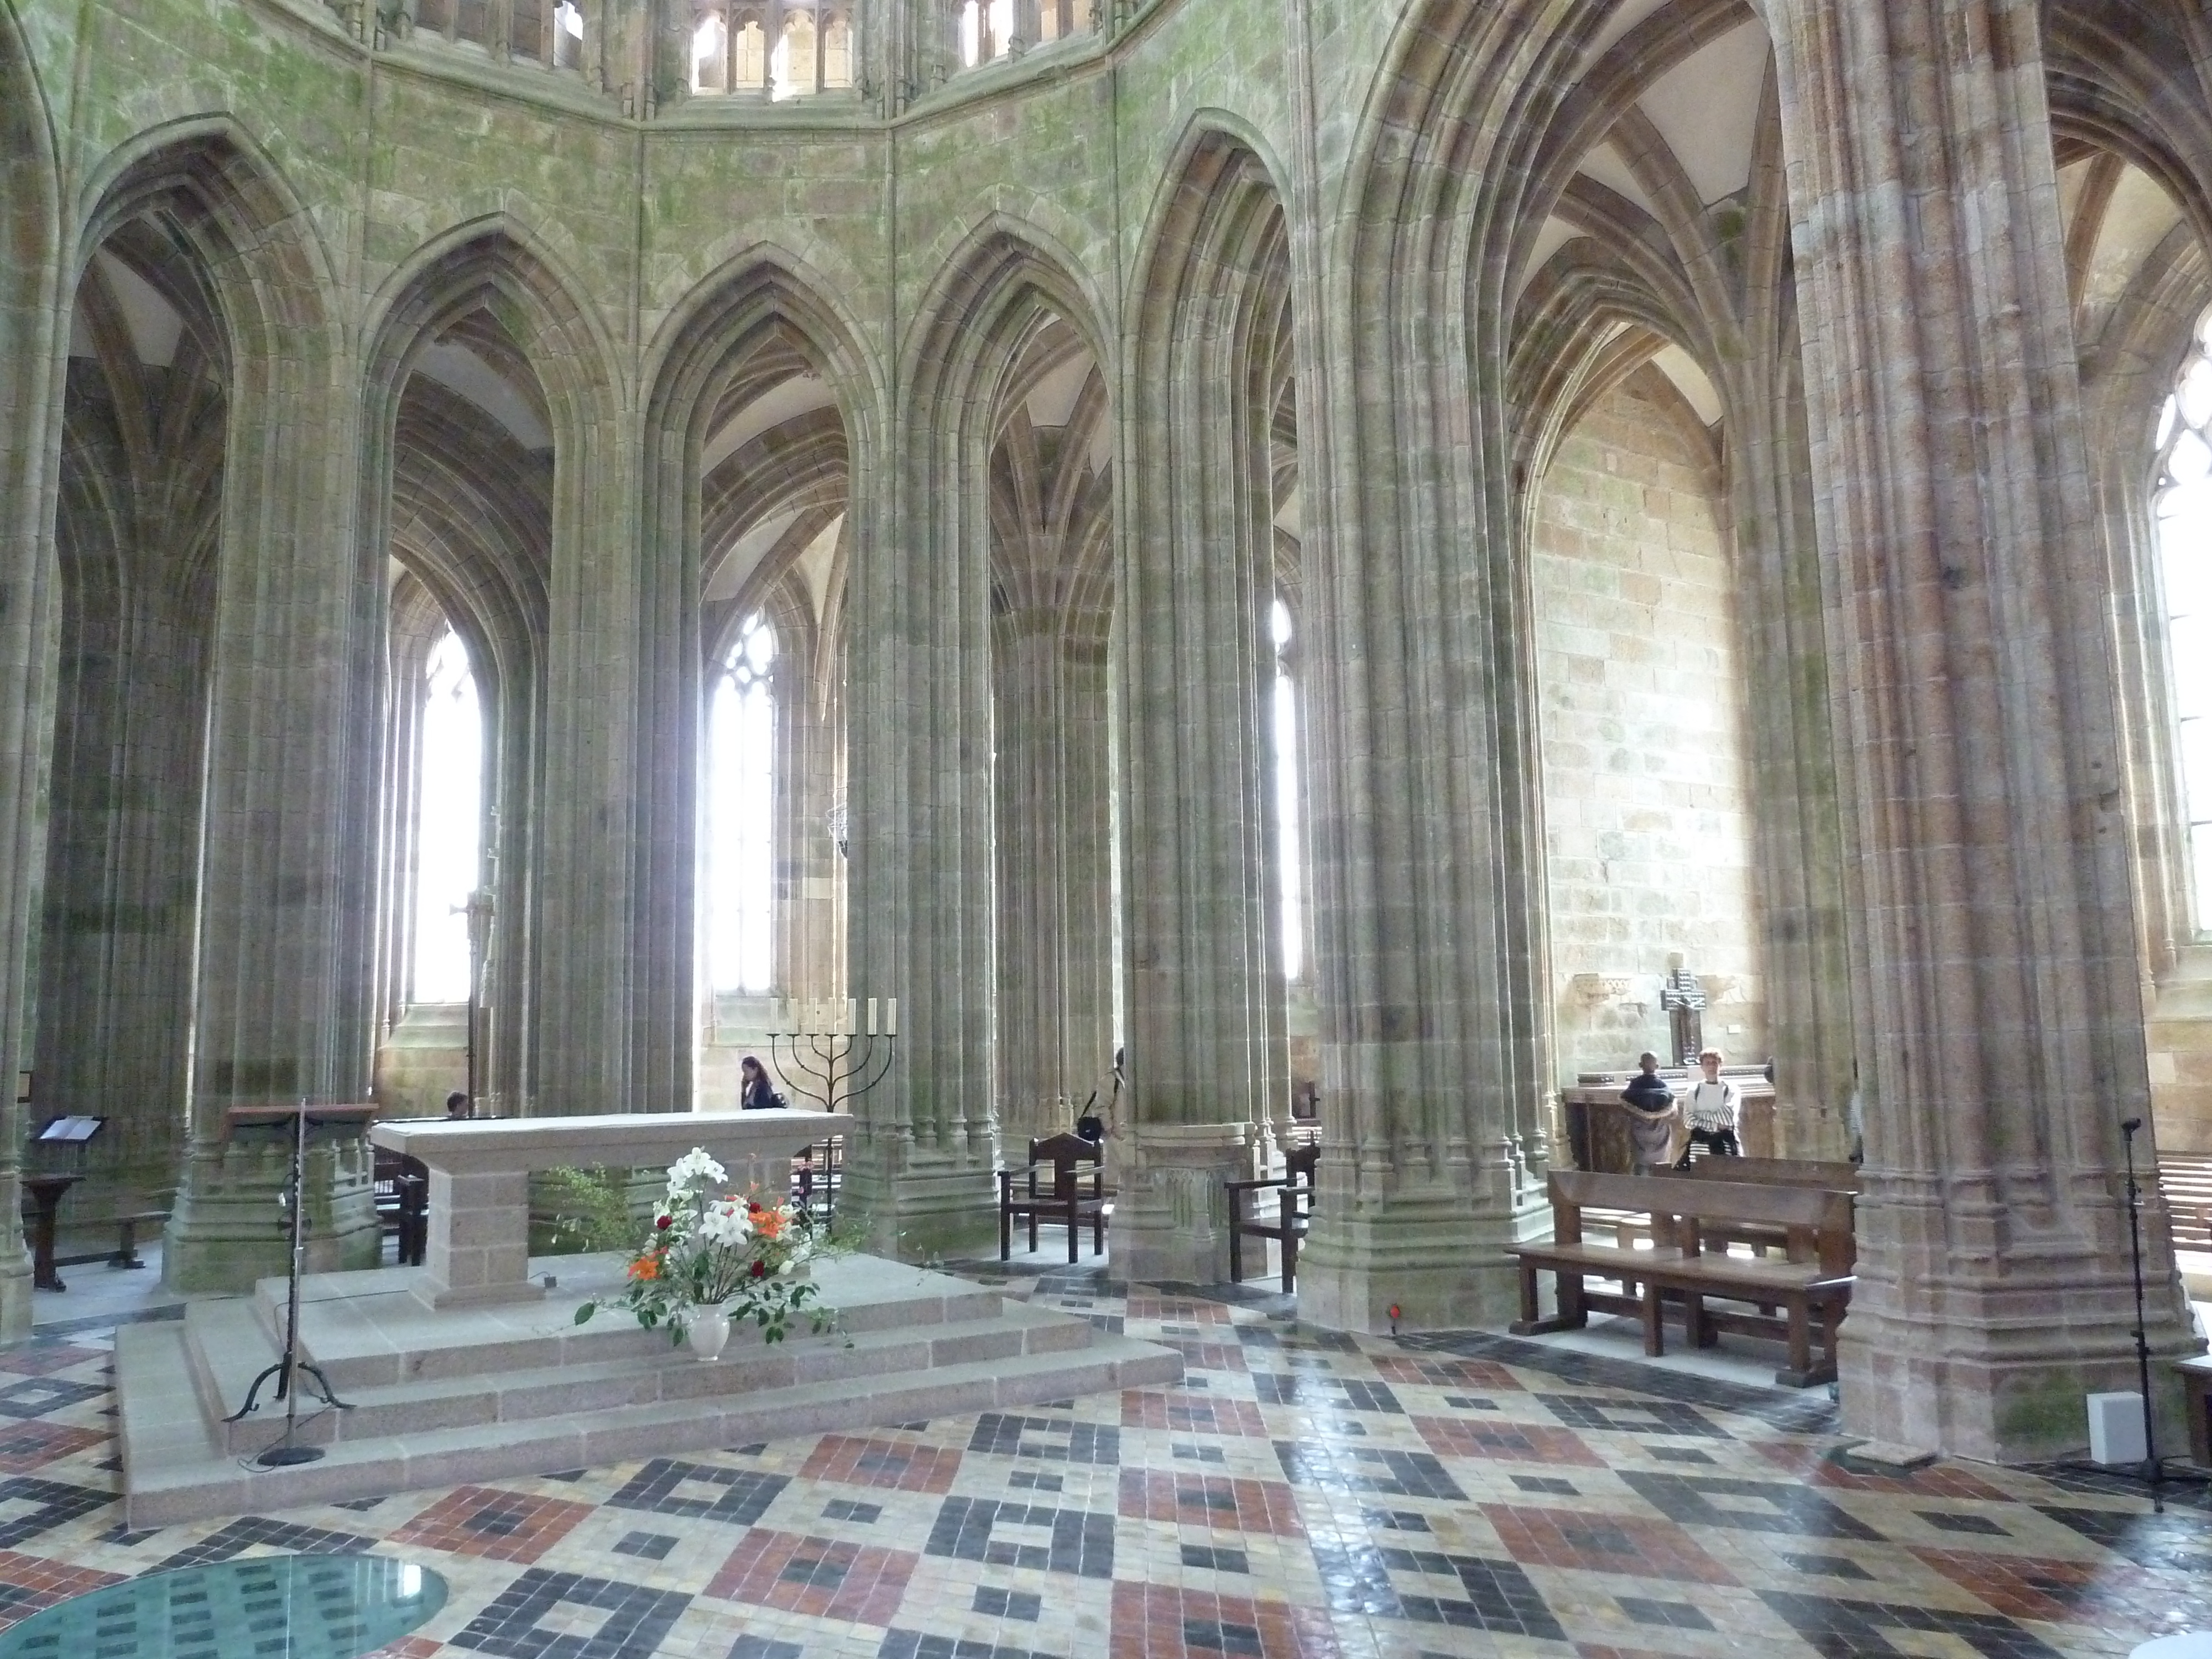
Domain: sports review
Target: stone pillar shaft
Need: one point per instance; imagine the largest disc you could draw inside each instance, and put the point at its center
(2002, 1029)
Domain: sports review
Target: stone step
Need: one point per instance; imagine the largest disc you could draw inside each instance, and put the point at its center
(666, 1374)
(366, 1329)
(177, 1466)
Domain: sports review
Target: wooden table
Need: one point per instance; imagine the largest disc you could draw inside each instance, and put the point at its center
(478, 1250)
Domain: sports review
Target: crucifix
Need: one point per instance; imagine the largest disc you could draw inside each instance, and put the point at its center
(1683, 1000)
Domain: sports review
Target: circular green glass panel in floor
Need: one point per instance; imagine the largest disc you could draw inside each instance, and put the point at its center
(273, 1607)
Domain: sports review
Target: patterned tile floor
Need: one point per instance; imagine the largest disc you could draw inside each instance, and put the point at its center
(1300, 1494)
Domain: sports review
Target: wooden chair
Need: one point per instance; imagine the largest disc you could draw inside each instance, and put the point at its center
(1073, 1199)
(1293, 1213)
(403, 1204)
(816, 1175)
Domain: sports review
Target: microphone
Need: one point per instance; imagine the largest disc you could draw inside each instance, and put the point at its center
(2130, 1124)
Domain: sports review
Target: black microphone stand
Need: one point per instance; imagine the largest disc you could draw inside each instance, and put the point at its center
(2153, 1469)
(289, 1367)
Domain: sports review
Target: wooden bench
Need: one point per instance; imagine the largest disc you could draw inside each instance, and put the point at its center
(126, 1254)
(2196, 1400)
(1294, 1190)
(1817, 1175)
(1811, 1286)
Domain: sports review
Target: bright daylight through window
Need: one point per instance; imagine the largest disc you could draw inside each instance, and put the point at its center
(741, 813)
(450, 809)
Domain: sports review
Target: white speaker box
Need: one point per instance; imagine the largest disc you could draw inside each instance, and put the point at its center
(2116, 1428)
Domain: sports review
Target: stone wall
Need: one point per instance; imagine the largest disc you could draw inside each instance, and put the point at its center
(1647, 823)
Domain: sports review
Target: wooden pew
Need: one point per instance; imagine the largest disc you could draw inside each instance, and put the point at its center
(1811, 1286)
(1771, 1172)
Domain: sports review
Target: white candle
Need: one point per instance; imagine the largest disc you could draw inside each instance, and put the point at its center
(891, 1018)
(851, 1016)
(871, 1016)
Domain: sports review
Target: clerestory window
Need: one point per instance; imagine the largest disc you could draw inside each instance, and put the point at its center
(775, 49)
(741, 812)
(990, 29)
(449, 816)
(548, 32)
(2183, 510)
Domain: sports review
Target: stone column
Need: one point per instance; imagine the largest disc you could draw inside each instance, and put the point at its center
(281, 988)
(31, 326)
(1209, 1066)
(2002, 1030)
(1054, 999)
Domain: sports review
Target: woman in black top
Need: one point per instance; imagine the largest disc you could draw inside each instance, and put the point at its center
(753, 1092)
(1651, 1113)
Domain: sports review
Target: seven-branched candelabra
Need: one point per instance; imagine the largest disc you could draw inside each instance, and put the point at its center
(829, 1055)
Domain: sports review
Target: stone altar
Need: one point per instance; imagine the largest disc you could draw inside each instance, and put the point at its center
(479, 1242)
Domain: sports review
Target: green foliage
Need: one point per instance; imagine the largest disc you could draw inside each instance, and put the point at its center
(591, 1209)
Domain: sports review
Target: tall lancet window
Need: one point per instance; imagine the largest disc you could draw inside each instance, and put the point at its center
(447, 829)
(2184, 546)
(1290, 831)
(741, 813)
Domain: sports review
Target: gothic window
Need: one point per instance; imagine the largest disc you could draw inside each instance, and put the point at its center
(450, 811)
(785, 48)
(988, 29)
(1289, 828)
(532, 33)
(710, 50)
(2184, 505)
(794, 56)
(741, 810)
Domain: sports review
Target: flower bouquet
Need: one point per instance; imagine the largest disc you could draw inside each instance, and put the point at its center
(709, 1260)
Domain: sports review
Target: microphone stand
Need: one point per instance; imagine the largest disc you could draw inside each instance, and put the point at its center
(288, 1368)
(2153, 1469)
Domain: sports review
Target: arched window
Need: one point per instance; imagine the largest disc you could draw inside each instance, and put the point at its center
(749, 61)
(794, 64)
(1289, 830)
(741, 813)
(710, 48)
(2184, 548)
(567, 36)
(449, 816)
(836, 52)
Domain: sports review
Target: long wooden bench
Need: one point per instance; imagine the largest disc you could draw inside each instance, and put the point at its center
(1823, 1176)
(1810, 1286)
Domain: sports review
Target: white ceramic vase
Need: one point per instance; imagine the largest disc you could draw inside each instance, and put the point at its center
(707, 1332)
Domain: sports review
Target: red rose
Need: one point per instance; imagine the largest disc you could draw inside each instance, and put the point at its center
(665, 1221)
(760, 1270)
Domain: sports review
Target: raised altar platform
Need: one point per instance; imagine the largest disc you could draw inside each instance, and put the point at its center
(445, 1395)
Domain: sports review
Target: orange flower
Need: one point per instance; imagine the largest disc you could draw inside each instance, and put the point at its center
(646, 1267)
(769, 1223)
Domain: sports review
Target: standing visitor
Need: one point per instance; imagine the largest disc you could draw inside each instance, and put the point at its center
(1652, 1115)
(1711, 1107)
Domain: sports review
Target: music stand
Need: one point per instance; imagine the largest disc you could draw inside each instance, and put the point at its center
(290, 1366)
(65, 1137)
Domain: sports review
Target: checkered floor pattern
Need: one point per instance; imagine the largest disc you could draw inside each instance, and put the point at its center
(1299, 1494)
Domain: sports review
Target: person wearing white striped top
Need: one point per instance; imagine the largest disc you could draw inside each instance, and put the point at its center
(1711, 1107)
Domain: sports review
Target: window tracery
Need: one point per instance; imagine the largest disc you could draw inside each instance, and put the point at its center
(777, 49)
(2183, 506)
(741, 737)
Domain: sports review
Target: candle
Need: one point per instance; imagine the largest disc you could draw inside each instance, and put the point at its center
(871, 1016)
(851, 1016)
(891, 1018)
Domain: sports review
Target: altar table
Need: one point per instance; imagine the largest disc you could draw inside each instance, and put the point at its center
(478, 1251)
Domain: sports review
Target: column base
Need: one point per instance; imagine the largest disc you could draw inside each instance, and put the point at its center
(2019, 1398)
(917, 1214)
(16, 1307)
(229, 1229)
(1442, 1268)
(1170, 1214)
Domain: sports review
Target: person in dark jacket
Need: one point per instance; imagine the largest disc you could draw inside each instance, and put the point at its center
(1651, 1113)
(753, 1090)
